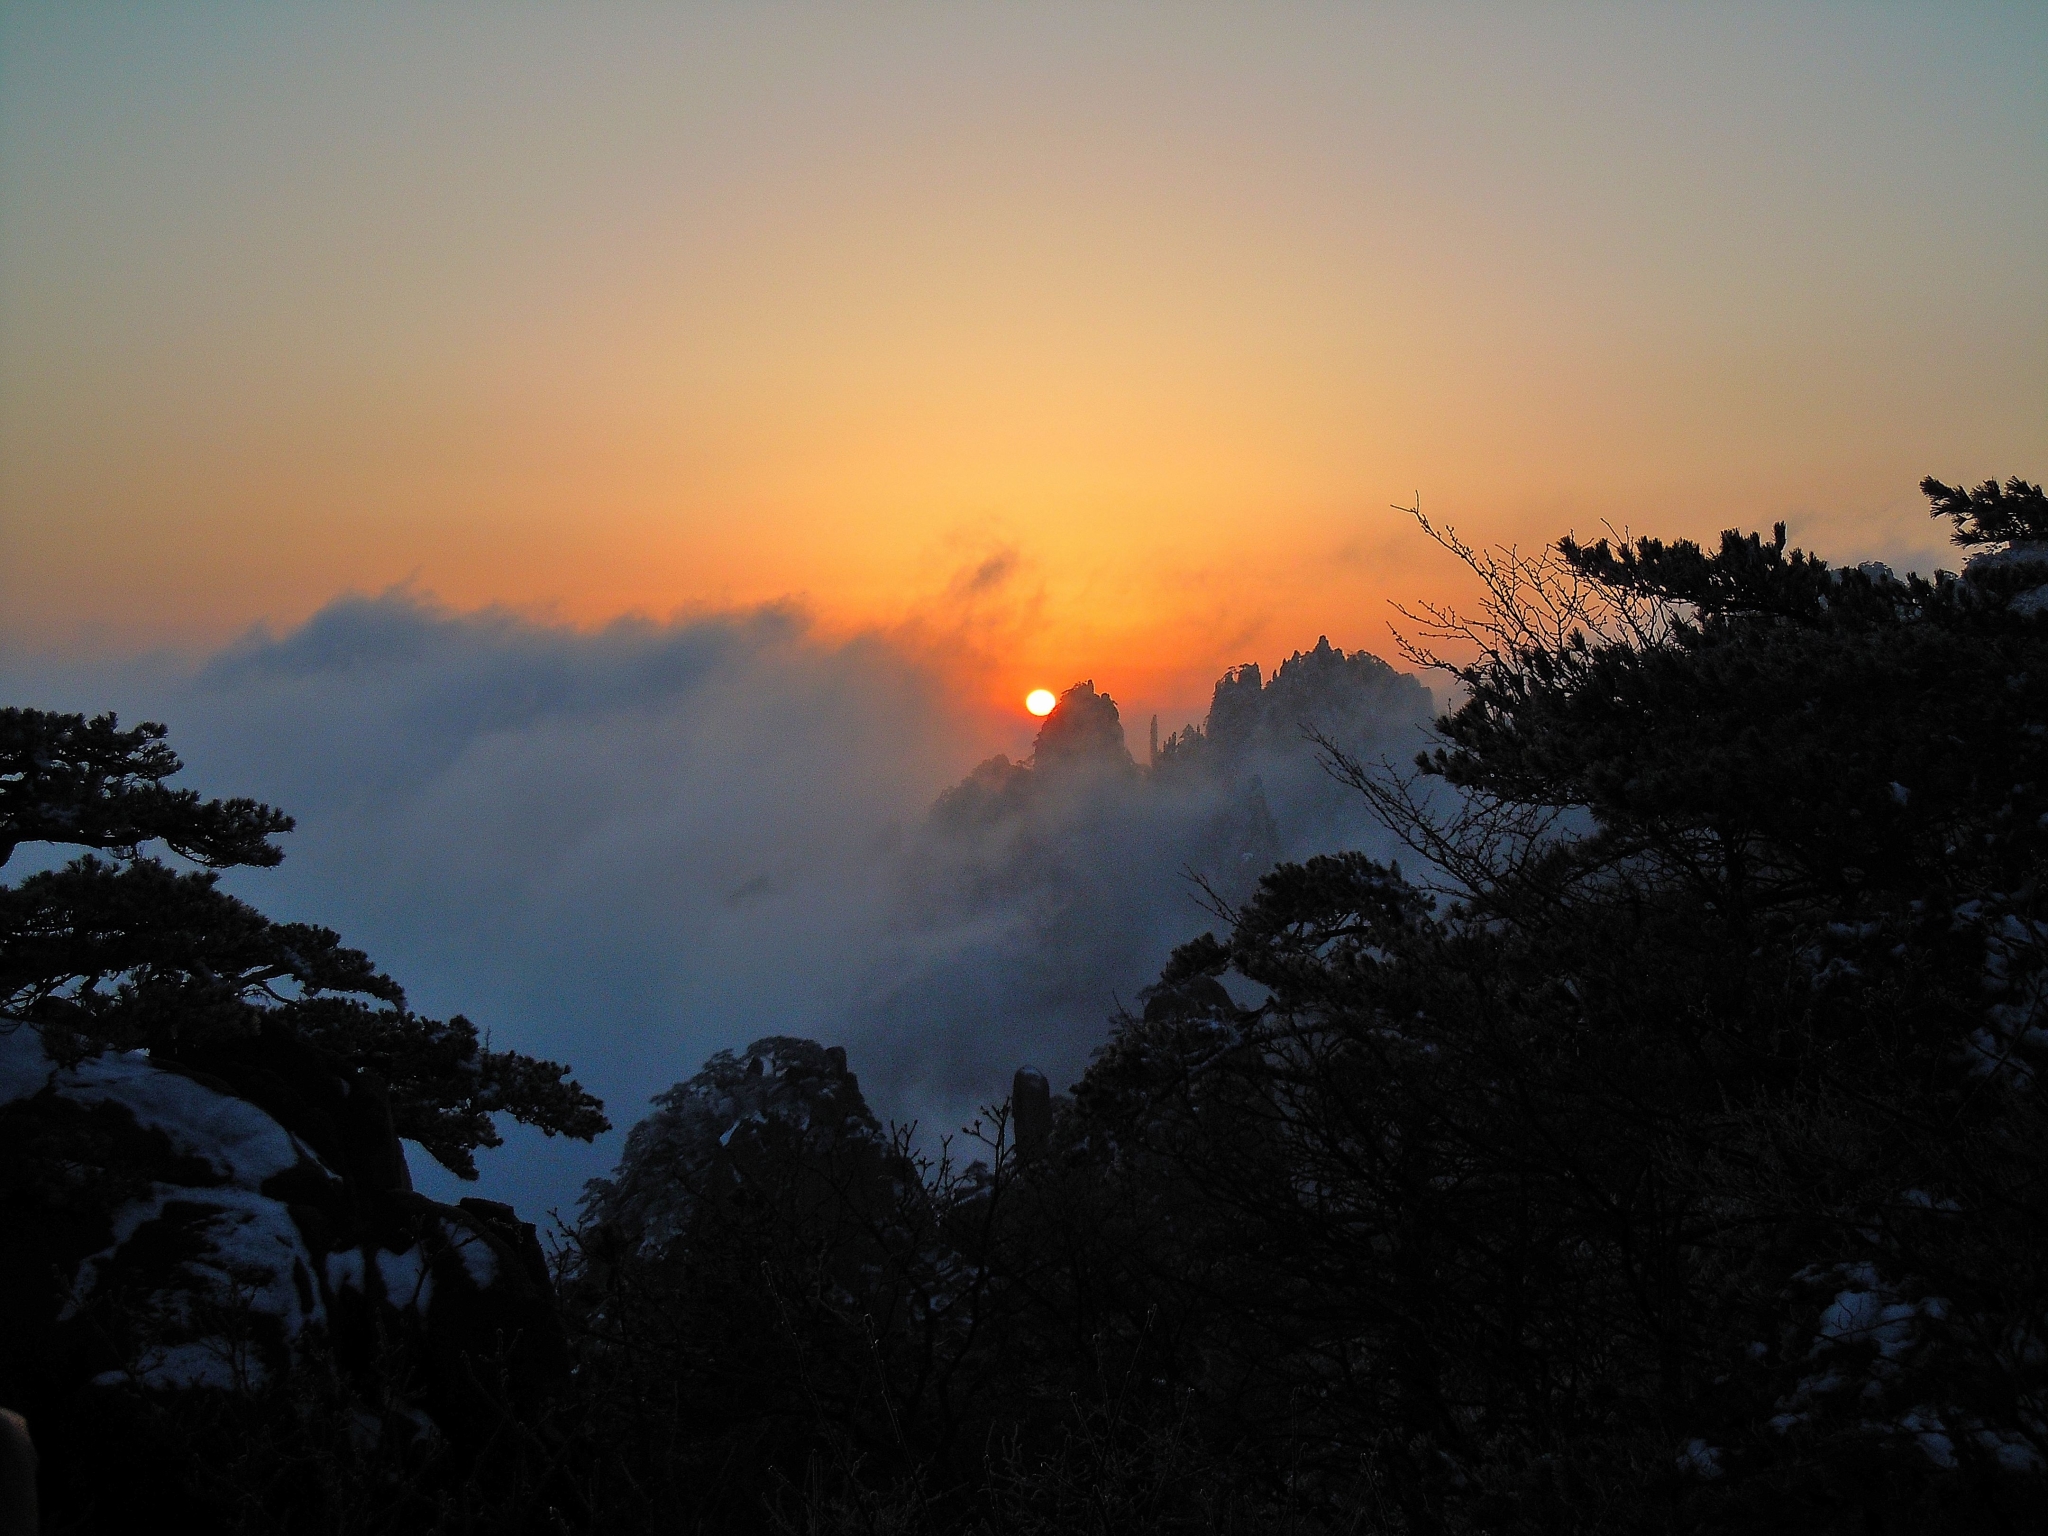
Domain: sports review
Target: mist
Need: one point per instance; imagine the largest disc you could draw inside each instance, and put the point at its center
(628, 848)
(1037, 899)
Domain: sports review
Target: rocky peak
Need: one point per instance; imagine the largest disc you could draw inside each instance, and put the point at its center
(1084, 729)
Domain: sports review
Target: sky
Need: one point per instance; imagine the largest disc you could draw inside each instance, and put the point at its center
(1071, 339)
(607, 467)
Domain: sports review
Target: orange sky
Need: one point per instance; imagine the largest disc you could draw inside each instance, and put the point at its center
(1092, 340)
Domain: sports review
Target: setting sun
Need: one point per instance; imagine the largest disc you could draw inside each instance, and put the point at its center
(1040, 701)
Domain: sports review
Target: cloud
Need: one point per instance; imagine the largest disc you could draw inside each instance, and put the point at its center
(628, 848)
(1037, 898)
(624, 848)
(990, 575)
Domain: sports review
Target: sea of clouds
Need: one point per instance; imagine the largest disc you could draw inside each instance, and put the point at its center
(628, 848)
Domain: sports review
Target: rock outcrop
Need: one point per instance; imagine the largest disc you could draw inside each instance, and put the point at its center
(209, 1228)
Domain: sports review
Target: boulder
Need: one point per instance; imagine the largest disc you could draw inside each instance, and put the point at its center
(211, 1227)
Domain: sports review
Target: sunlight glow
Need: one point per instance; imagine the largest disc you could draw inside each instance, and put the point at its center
(1040, 701)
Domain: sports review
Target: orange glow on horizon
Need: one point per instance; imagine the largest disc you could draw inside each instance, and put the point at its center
(1052, 342)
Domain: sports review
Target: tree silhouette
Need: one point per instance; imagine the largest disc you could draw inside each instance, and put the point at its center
(130, 954)
(67, 779)
(1990, 514)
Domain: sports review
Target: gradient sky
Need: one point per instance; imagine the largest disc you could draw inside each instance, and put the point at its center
(1079, 340)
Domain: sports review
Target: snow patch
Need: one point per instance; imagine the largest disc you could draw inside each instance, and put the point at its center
(407, 1284)
(25, 1067)
(478, 1257)
(345, 1270)
(250, 1242)
(1700, 1459)
(1927, 1430)
(2013, 1452)
(243, 1143)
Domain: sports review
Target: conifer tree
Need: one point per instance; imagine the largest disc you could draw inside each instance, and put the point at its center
(119, 950)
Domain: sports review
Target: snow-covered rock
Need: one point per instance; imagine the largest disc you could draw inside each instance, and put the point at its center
(165, 1228)
(2019, 569)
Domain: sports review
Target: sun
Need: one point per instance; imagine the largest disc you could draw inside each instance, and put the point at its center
(1040, 701)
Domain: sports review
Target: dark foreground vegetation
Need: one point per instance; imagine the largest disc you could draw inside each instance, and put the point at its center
(1663, 1150)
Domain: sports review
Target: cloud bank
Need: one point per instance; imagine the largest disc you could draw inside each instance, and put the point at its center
(1036, 898)
(631, 847)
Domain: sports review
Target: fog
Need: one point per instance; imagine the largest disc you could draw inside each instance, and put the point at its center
(1036, 899)
(631, 847)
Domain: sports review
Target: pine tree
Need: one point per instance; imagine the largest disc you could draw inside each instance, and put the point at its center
(118, 950)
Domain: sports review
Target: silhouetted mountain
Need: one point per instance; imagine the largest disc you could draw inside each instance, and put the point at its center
(1037, 895)
(1323, 690)
(1084, 730)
